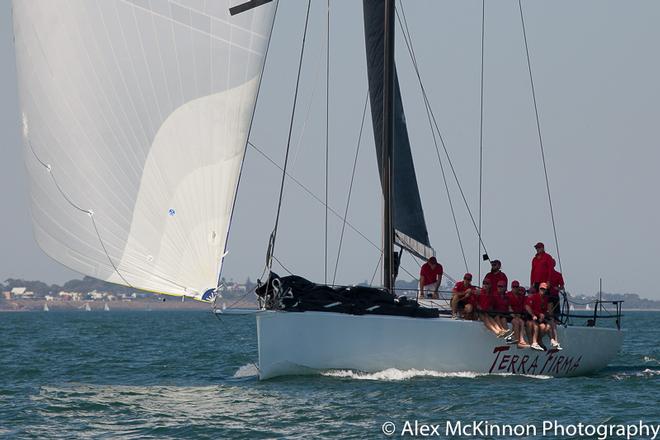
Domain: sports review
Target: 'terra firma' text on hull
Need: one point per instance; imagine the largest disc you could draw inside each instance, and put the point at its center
(302, 343)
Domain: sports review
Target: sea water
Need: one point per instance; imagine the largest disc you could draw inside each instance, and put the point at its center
(188, 374)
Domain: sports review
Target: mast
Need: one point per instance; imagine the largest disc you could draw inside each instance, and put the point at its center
(388, 144)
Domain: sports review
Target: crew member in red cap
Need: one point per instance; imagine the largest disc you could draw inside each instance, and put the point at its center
(463, 298)
(556, 286)
(542, 266)
(430, 276)
(501, 305)
(516, 299)
(495, 276)
(550, 324)
(535, 306)
(485, 310)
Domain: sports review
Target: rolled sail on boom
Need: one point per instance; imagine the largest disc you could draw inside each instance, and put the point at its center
(408, 215)
(135, 121)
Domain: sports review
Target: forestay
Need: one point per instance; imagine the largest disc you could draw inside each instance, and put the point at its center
(135, 121)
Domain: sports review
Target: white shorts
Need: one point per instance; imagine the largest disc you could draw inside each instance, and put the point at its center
(429, 289)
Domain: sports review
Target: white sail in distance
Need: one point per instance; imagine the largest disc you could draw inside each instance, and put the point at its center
(135, 119)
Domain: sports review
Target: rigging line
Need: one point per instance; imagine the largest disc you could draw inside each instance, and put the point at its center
(283, 266)
(442, 142)
(327, 135)
(288, 143)
(481, 129)
(380, 257)
(89, 212)
(408, 41)
(240, 170)
(538, 129)
(318, 199)
(314, 196)
(350, 187)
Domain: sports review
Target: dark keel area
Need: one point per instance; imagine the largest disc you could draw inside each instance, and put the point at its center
(296, 294)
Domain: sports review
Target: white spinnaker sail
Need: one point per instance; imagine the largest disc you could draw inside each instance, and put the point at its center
(135, 120)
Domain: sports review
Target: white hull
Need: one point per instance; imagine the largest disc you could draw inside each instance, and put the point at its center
(302, 343)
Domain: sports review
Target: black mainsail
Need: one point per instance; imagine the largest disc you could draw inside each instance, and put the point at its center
(407, 213)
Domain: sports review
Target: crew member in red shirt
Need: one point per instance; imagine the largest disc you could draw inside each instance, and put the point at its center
(535, 306)
(430, 276)
(485, 308)
(501, 306)
(542, 266)
(550, 324)
(463, 297)
(556, 286)
(495, 276)
(516, 300)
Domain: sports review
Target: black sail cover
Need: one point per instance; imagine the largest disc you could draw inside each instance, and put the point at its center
(408, 216)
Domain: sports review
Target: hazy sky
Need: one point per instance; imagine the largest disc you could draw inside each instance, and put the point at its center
(596, 73)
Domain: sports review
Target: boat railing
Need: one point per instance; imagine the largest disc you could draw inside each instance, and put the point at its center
(602, 309)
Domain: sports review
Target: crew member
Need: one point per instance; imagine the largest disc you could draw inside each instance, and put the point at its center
(495, 276)
(463, 297)
(551, 325)
(430, 276)
(536, 328)
(542, 266)
(516, 300)
(556, 286)
(484, 310)
(501, 305)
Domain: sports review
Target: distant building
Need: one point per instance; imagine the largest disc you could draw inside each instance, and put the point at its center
(6, 295)
(21, 292)
(49, 298)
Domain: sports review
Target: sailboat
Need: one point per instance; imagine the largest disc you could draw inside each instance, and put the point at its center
(46, 309)
(105, 307)
(87, 308)
(136, 116)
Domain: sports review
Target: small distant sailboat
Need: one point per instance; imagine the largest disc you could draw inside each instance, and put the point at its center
(87, 307)
(46, 309)
(105, 307)
(587, 307)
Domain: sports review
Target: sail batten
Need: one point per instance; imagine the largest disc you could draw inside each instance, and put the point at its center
(408, 216)
(137, 112)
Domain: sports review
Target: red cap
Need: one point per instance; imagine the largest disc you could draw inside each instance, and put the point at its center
(433, 260)
(515, 283)
(539, 245)
(467, 275)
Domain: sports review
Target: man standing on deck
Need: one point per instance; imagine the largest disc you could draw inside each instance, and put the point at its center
(430, 276)
(542, 266)
(496, 277)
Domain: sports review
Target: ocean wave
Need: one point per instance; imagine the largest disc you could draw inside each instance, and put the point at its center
(645, 373)
(394, 374)
(651, 359)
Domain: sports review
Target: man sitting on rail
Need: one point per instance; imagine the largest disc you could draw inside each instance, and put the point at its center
(536, 327)
(501, 305)
(551, 325)
(463, 298)
(516, 300)
(484, 310)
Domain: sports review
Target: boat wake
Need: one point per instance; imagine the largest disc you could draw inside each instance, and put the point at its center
(393, 374)
(247, 370)
(645, 373)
